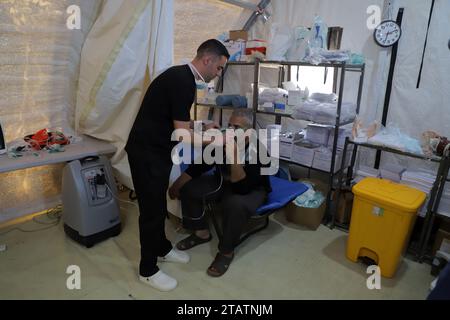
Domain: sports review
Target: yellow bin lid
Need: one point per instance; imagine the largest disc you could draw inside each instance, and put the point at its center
(386, 192)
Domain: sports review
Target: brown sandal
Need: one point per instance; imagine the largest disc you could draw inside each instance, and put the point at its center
(220, 265)
(192, 241)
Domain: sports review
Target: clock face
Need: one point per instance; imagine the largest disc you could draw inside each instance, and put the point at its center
(387, 33)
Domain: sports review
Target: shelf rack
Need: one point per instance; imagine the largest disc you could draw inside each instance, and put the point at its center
(435, 194)
(284, 73)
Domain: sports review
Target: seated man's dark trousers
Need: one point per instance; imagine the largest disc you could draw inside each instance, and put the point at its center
(236, 208)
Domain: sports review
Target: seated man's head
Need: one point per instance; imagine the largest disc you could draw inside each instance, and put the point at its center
(241, 119)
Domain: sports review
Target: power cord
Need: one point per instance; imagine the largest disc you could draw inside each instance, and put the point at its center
(206, 195)
(112, 193)
(52, 214)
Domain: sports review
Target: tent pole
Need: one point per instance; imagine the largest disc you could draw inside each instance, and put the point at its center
(260, 11)
(242, 4)
(425, 45)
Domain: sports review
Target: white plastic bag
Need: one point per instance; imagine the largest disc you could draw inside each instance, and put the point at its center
(280, 42)
(297, 51)
(394, 138)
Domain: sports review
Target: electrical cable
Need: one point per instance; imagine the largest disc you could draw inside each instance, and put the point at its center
(53, 213)
(205, 196)
(112, 193)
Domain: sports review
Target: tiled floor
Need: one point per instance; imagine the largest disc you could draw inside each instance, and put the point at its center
(284, 261)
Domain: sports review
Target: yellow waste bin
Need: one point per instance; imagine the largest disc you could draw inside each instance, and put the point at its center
(383, 217)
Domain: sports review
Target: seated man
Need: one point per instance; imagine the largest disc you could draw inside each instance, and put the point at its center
(242, 192)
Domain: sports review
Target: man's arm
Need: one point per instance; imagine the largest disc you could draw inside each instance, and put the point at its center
(174, 190)
(237, 170)
(244, 180)
(193, 136)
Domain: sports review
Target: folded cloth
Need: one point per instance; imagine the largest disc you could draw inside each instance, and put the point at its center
(225, 100)
(239, 102)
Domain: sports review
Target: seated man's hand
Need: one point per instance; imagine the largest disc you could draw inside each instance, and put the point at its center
(217, 139)
(212, 125)
(174, 190)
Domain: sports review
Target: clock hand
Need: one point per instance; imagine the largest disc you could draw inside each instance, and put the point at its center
(387, 35)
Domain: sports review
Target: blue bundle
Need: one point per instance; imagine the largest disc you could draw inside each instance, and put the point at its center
(225, 100)
(239, 102)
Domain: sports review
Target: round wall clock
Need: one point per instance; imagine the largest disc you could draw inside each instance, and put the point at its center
(387, 33)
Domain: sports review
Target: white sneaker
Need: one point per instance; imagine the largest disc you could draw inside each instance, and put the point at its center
(176, 256)
(160, 281)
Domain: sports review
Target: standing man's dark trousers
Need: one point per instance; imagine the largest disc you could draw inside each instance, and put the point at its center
(150, 171)
(236, 208)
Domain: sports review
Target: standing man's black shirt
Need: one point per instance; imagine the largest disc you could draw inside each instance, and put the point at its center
(169, 97)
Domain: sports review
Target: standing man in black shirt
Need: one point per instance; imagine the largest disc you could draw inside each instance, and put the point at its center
(166, 107)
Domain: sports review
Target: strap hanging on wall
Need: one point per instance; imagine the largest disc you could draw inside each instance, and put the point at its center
(425, 45)
(389, 84)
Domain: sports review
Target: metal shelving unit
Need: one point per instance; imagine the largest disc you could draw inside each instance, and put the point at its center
(435, 194)
(284, 73)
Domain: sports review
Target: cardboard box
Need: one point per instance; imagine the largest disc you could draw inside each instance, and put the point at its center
(238, 35)
(287, 141)
(344, 211)
(308, 217)
(322, 160)
(343, 133)
(441, 242)
(303, 153)
(285, 150)
(318, 133)
(295, 97)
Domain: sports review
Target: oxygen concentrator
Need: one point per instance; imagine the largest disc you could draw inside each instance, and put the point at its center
(90, 210)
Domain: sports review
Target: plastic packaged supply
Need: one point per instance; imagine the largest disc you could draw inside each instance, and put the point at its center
(297, 51)
(319, 34)
(256, 46)
(280, 104)
(361, 133)
(249, 96)
(280, 42)
(236, 49)
(357, 59)
(309, 208)
(324, 97)
(394, 138)
(310, 198)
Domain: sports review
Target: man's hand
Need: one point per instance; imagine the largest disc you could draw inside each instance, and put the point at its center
(231, 152)
(174, 190)
(212, 125)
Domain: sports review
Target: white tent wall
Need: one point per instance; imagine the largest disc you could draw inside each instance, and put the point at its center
(39, 65)
(412, 110)
(350, 14)
(129, 44)
(116, 68)
(199, 20)
(426, 108)
(110, 93)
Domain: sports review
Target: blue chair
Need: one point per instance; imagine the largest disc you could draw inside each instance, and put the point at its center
(283, 192)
